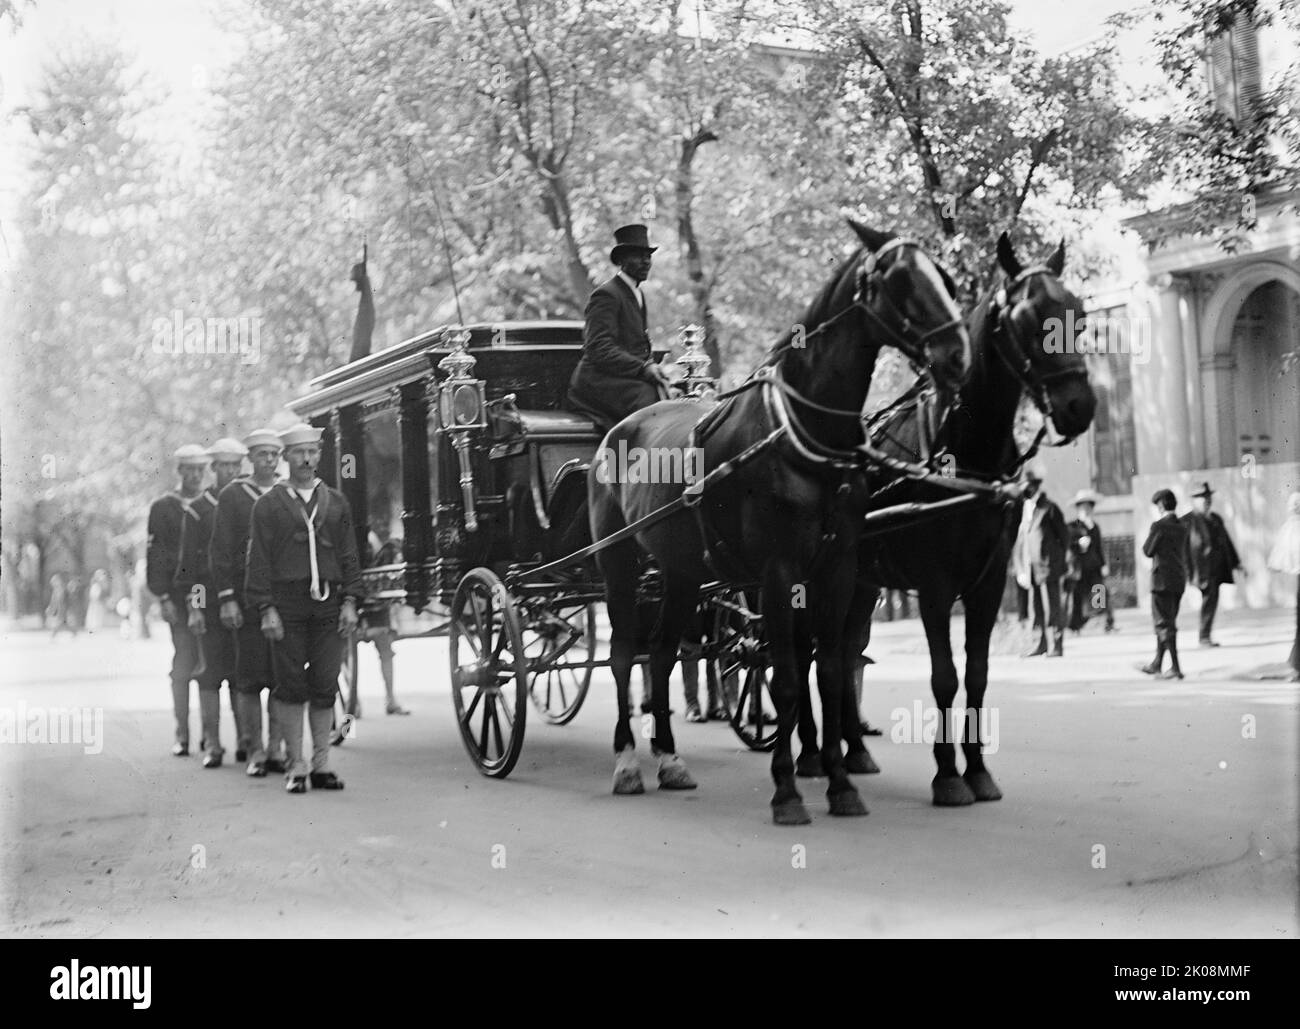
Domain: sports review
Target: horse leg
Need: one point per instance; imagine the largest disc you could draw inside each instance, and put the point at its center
(981, 614)
(834, 595)
(809, 765)
(677, 612)
(857, 758)
(618, 566)
(787, 804)
(949, 789)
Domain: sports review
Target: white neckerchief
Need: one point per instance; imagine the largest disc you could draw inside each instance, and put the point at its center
(317, 593)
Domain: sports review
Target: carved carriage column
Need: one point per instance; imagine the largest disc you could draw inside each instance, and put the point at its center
(352, 471)
(412, 420)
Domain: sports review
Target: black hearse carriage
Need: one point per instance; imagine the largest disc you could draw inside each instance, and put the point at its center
(460, 463)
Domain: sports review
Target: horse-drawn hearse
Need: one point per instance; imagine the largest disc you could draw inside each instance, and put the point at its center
(463, 467)
(485, 513)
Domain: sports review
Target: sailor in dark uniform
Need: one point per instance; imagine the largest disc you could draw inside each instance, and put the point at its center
(253, 652)
(617, 373)
(176, 571)
(220, 650)
(304, 579)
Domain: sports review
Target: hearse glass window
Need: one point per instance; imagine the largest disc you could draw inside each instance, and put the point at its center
(383, 471)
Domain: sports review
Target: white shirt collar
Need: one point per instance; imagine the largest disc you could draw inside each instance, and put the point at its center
(632, 284)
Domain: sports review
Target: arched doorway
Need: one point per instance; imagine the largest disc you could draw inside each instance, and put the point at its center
(1266, 384)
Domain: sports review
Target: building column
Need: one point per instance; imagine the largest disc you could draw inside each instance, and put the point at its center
(1221, 443)
(1189, 315)
(1160, 389)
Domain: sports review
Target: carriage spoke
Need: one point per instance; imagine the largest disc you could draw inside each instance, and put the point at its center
(496, 731)
(473, 705)
(483, 728)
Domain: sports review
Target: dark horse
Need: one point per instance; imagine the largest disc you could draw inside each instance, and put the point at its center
(1018, 348)
(785, 515)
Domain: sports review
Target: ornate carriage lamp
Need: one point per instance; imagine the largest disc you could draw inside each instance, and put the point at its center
(462, 408)
(695, 384)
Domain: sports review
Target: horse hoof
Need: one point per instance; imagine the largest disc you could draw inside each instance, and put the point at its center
(809, 766)
(790, 812)
(628, 782)
(846, 804)
(982, 785)
(951, 791)
(627, 774)
(673, 774)
(860, 763)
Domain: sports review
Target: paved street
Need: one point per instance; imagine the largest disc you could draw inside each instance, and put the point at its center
(1190, 788)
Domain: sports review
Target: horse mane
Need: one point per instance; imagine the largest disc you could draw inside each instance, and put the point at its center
(816, 312)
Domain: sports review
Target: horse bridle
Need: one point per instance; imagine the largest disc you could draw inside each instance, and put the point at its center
(1019, 364)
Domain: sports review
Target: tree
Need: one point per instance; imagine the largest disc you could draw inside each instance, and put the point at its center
(1227, 132)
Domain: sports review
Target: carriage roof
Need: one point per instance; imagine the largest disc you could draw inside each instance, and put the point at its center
(376, 374)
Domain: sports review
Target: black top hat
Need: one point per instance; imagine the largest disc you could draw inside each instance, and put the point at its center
(1203, 490)
(630, 237)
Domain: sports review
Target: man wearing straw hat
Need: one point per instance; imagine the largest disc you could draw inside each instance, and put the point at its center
(253, 651)
(304, 578)
(1089, 593)
(617, 373)
(1039, 561)
(175, 565)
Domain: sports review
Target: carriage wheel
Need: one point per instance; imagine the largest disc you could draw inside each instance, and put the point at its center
(345, 697)
(489, 674)
(740, 671)
(556, 639)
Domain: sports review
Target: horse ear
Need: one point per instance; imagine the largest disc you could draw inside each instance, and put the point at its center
(1007, 256)
(1056, 263)
(871, 239)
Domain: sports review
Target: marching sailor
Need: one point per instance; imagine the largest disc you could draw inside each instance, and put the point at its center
(304, 578)
(219, 642)
(176, 573)
(253, 652)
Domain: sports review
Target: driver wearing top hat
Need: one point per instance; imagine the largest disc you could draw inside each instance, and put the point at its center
(617, 373)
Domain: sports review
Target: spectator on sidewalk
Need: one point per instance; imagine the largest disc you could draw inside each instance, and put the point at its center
(1211, 557)
(1285, 557)
(1089, 593)
(1039, 561)
(1166, 545)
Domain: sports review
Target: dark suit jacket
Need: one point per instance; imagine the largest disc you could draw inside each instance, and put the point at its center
(1166, 545)
(612, 378)
(1211, 557)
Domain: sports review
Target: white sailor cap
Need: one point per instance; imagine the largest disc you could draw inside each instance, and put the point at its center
(300, 433)
(263, 438)
(227, 449)
(192, 453)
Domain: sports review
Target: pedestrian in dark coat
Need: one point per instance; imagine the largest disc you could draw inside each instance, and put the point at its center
(617, 373)
(1211, 557)
(1166, 545)
(1089, 592)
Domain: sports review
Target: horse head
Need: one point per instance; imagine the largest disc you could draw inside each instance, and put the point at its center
(1041, 321)
(913, 301)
